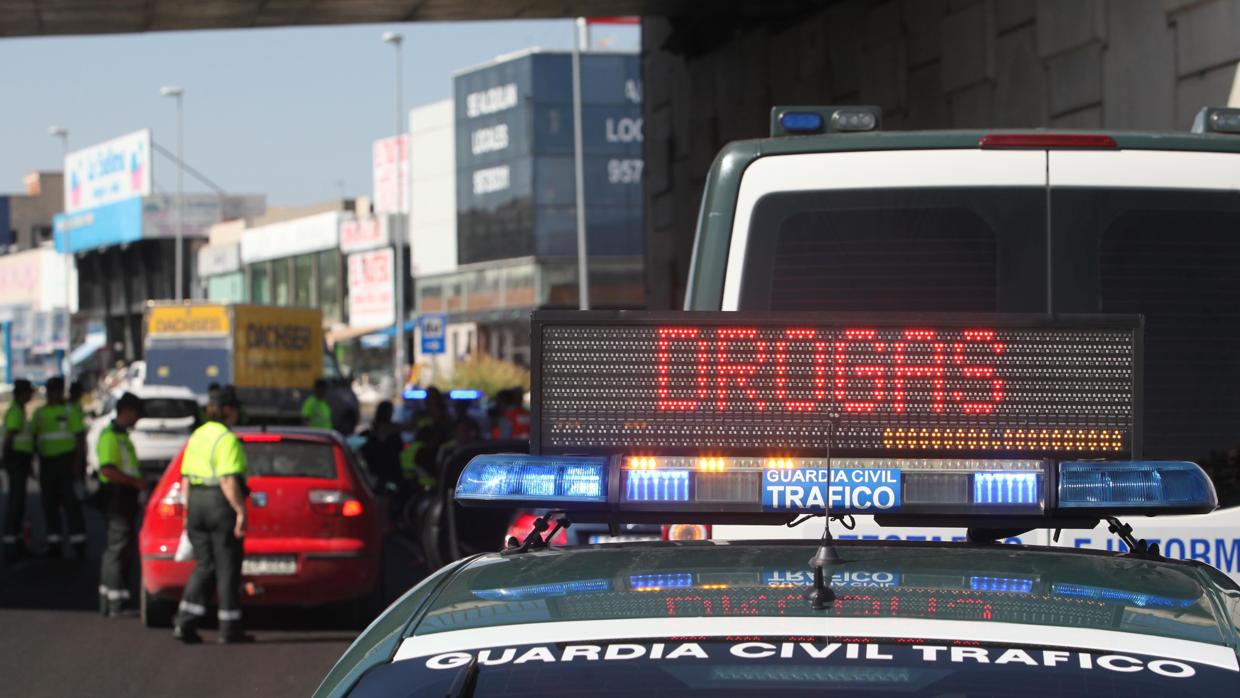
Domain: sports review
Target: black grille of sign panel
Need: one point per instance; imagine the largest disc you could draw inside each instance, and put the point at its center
(690, 385)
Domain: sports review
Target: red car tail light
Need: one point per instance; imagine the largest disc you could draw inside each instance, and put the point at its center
(261, 438)
(524, 523)
(334, 503)
(172, 505)
(686, 532)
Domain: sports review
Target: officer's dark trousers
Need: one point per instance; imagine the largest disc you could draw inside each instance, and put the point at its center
(217, 560)
(118, 557)
(56, 486)
(17, 468)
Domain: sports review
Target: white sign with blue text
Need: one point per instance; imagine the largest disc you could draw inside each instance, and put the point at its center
(111, 171)
(433, 327)
(837, 490)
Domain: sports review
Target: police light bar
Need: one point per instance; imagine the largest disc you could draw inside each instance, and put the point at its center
(806, 121)
(774, 489)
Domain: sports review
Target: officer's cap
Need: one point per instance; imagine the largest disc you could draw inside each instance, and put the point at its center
(228, 397)
(129, 401)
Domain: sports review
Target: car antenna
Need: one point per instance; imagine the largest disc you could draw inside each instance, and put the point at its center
(822, 595)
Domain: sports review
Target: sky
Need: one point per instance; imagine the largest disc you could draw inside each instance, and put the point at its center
(290, 113)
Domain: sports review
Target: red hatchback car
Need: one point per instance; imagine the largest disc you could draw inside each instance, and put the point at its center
(314, 535)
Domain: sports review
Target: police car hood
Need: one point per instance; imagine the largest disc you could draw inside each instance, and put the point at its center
(914, 616)
(947, 591)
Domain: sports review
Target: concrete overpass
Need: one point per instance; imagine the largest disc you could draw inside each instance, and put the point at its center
(52, 17)
(713, 68)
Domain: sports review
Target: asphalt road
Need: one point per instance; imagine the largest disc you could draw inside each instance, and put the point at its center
(53, 642)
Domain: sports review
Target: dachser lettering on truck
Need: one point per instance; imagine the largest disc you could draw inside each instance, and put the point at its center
(187, 320)
(271, 336)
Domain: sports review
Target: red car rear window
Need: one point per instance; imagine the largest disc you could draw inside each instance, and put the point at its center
(290, 458)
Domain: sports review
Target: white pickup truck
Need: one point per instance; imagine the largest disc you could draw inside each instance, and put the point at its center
(832, 214)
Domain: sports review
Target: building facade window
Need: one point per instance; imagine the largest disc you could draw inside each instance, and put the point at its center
(227, 288)
(304, 283)
(329, 284)
(281, 281)
(260, 283)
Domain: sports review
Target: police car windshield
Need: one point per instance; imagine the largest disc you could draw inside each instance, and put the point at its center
(289, 458)
(1157, 253)
(1042, 588)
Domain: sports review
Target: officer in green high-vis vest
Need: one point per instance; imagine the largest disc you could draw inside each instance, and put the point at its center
(315, 411)
(213, 473)
(59, 436)
(121, 480)
(17, 458)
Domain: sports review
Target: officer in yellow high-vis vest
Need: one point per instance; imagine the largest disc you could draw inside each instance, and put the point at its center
(121, 480)
(18, 455)
(59, 435)
(213, 473)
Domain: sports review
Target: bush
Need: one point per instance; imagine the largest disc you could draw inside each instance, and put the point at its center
(486, 373)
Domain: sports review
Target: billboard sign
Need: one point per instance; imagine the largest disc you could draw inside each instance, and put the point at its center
(363, 234)
(390, 157)
(111, 171)
(372, 299)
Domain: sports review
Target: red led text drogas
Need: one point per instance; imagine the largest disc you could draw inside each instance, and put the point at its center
(803, 370)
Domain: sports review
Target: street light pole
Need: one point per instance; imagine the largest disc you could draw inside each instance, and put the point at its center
(63, 134)
(583, 252)
(398, 221)
(177, 92)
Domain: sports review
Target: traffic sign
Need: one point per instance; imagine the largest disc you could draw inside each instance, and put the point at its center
(433, 328)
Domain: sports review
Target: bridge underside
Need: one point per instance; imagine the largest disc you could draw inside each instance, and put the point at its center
(53, 17)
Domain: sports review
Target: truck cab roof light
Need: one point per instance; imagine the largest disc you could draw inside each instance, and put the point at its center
(810, 120)
(1217, 120)
(1080, 141)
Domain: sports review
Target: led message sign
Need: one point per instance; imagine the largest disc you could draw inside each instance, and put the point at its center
(876, 384)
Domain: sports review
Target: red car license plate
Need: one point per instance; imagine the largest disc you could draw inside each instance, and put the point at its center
(269, 565)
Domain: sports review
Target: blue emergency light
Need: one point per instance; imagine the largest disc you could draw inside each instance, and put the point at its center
(714, 487)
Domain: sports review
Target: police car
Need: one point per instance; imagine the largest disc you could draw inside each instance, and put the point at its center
(734, 418)
(902, 350)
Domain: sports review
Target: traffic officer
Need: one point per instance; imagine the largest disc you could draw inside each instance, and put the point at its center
(512, 420)
(213, 473)
(315, 412)
(121, 479)
(59, 436)
(18, 454)
(76, 389)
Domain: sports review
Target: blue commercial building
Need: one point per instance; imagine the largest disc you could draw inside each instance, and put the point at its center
(516, 194)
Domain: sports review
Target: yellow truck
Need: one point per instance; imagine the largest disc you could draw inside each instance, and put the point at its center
(273, 355)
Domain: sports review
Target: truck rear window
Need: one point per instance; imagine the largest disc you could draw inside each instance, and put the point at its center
(899, 250)
(290, 458)
(167, 408)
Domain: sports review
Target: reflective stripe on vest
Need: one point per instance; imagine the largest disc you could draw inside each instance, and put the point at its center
(129, 457)
(57, 439)
(190, 464)
(23, 440)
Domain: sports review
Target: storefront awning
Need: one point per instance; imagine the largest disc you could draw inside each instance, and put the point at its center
(391, 330)
(87, 349)
(344, 334)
